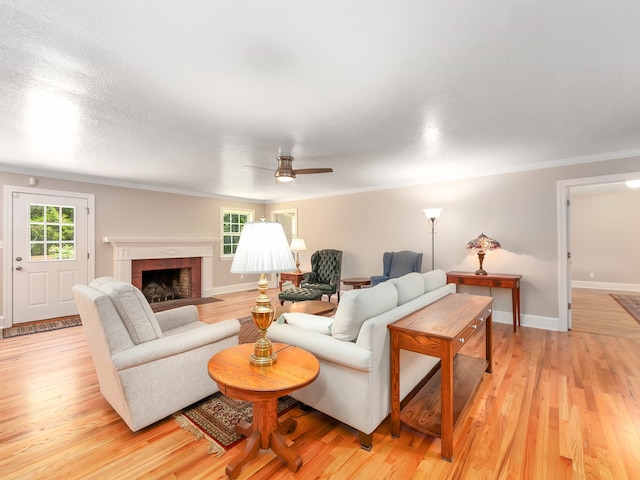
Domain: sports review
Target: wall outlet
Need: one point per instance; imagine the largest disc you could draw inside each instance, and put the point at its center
(592, 275)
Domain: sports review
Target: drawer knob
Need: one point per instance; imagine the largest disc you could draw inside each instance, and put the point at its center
(481, 319)
(474, 326)
(461, 340)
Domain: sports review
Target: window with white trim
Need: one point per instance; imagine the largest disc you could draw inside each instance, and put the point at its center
(231, 227)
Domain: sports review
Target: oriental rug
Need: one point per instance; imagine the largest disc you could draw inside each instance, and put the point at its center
(631, 303)
(41, 326)
(215, 418)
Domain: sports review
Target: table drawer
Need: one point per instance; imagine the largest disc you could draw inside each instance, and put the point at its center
(475, 325)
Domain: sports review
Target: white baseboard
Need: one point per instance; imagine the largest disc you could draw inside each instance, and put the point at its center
(532, 321)
(625, 287)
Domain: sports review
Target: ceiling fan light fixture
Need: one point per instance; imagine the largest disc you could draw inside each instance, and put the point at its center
(284, 177)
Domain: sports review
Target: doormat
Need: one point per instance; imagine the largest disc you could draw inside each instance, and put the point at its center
(181, 302)
(631, 303)
(215, 418)
(42, 326)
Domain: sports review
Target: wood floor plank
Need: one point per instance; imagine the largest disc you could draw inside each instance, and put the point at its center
(557, 405)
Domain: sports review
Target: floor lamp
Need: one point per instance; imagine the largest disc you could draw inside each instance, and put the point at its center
(433, 214)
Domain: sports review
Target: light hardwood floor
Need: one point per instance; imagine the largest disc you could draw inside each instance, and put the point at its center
(558, 405)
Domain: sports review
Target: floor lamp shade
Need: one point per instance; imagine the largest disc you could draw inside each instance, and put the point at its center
(263, 248)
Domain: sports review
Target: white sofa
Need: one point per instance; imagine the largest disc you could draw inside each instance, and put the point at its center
(353, 349)
(148, 365)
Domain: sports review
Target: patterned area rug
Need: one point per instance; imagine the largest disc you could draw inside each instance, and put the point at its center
(216, 417)
(631, 303)
(43, 326)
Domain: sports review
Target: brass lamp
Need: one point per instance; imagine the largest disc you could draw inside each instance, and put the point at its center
(297, 246)
(262, 249)
(482, 244)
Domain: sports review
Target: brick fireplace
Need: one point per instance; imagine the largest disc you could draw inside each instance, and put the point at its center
(133, 256)
(162, 279)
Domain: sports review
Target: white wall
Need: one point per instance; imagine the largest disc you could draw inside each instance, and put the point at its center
(518, 209)
(605, 239)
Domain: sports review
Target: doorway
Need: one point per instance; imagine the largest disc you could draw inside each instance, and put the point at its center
(49, 248)
(565, 190)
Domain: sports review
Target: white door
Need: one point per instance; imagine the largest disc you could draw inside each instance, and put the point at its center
(49, 254)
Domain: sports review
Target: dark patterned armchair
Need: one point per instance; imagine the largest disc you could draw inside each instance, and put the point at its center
(326, 267)
(397, 264)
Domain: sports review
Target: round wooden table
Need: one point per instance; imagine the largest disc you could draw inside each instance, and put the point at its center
(237, 378)
(357, 282)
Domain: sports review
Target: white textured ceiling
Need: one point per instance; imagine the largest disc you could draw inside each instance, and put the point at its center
(183, 96)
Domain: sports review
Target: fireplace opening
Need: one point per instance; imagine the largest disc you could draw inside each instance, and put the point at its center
(166, 284)
(165, 279)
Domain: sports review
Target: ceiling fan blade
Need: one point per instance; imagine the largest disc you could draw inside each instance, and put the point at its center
(260, 168)
(313, 170)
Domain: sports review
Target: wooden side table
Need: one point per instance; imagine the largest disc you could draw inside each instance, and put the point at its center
(295, 277)
(495, 280)
(440, 330)
(357, 282)
(237, 378)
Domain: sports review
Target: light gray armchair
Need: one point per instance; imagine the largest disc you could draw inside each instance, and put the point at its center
(148, 365)
(397, 264)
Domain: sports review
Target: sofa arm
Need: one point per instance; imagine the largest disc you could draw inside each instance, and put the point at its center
(175, 344)
(323, 346)
(177, 317)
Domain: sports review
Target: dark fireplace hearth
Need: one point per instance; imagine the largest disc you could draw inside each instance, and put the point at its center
(166, 279)
(166, 284)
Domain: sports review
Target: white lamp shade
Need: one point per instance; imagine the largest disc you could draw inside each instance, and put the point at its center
(432, 212)
(298, 245)
(262, 248)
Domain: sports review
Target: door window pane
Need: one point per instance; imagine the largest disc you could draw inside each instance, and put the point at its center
(52, 233)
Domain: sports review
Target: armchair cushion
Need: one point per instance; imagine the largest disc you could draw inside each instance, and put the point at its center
(133, 308)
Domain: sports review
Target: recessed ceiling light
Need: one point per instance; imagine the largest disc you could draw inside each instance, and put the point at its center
(632, 183)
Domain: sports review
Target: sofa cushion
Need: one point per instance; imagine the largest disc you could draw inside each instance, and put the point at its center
(356, 306)
(409, 286)
(307, 321)
(133, 308)
(434, 279)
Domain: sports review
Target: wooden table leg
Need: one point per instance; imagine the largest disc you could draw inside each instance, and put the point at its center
(446, 386)
(265, 432)
(395, 385)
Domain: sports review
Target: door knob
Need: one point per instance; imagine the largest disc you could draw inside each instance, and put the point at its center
(18, 267)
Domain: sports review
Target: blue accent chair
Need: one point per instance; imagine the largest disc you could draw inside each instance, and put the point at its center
(397, 264)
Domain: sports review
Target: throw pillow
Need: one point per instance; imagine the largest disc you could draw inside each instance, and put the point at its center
(315, 323)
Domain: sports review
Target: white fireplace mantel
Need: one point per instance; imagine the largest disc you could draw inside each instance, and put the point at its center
(127, 249)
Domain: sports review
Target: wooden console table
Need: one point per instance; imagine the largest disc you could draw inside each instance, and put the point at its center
(495, 280)
(237, 378)
(295, 277)
(440, 330)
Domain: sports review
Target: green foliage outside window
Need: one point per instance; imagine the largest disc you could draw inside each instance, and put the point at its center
(232, 225)
(52, 232)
